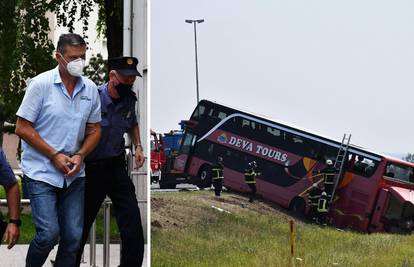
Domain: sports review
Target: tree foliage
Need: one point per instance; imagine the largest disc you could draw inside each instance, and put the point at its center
(97, 69)
(109, 19)
(25, 50)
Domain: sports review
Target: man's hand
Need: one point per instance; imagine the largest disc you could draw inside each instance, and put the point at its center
(11, 236)
(62, 163)
(139, 157)
(76, 163)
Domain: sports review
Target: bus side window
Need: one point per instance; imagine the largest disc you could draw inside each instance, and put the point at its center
(253, 125)
(361, 166)
(188, 143)
(245, 123)
(199, 112)
(222, 115)
(273, 132)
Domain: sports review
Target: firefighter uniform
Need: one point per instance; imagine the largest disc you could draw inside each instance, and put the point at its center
(313, 198)
(217, 176)
(250, 178)
(329, 180)
(323, 208)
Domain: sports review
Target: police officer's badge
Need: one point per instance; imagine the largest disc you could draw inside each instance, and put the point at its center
(130, 61)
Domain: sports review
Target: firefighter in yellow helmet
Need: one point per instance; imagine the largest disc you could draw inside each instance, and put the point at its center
(218, 176)
(323, 206)
(250, 178)
(313, 199)
(329, 174)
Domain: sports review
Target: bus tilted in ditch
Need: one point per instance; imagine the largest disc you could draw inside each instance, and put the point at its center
(374, 192)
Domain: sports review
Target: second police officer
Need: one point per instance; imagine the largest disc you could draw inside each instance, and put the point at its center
(106, 172)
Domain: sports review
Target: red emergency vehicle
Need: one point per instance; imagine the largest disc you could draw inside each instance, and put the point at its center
(158, 158)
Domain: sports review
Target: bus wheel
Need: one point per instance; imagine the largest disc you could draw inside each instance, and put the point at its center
(298, 208)
(204, 176)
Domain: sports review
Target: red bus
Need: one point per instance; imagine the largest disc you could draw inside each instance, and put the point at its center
(374, 193)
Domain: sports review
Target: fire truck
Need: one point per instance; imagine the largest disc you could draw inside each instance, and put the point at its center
(164, 149)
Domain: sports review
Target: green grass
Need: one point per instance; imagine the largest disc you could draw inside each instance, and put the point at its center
(250, 238)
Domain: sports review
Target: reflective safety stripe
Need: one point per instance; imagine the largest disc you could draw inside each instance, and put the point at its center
(218, 173)
(250, 182)
(322, 205)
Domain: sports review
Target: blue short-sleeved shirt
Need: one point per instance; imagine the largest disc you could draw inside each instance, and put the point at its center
(7, 177)
(117, 119)
(59, 119)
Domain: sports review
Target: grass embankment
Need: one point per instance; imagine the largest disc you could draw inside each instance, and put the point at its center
(187, 231)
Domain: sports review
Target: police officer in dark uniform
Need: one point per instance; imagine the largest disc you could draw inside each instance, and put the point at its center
(313, 198)
(250, 179)
(8, 181)
(217, 176)
(106, 171)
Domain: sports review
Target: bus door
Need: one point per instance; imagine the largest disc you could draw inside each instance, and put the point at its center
(186, 150)
(380, 206)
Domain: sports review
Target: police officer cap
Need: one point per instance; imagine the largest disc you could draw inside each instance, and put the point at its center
(124, 65)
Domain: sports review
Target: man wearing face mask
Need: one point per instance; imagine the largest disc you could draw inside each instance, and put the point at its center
(106, 173)
(57, 107)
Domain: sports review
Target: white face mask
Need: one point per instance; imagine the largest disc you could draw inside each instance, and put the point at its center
(75, 67)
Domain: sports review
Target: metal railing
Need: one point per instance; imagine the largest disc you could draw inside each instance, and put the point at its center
(106, 237)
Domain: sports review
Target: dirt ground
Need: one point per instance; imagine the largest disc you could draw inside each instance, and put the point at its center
(178, 210)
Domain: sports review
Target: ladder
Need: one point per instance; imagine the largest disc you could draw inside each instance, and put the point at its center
(339, 162)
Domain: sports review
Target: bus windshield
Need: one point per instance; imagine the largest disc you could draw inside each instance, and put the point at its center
(399, 172)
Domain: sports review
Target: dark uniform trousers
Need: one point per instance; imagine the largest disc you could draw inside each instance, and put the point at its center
(110, 177)
(313, 198)
(252, 192)
(218, 186)
(250, 179)
(217, 177)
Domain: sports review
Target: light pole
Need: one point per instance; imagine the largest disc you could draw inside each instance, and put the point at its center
(195, 21)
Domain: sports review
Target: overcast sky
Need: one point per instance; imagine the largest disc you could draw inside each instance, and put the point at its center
(327, 66)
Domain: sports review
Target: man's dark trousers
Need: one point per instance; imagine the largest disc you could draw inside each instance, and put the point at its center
(110, 177)
(218, 186)
(252, 192)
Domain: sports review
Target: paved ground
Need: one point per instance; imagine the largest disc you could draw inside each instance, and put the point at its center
(189, 187)
(16, 256)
